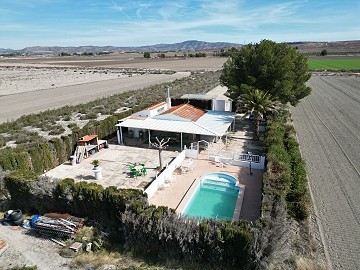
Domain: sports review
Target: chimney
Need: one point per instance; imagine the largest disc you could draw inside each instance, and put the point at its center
(168, 99)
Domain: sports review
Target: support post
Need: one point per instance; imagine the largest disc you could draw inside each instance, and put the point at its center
(118, 135)
(181, 142)
(149, 138)
(121, 137)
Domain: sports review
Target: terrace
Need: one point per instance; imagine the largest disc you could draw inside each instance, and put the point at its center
(115, 163)
(179, 188)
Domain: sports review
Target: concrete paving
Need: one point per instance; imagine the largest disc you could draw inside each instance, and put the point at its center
(115, 162)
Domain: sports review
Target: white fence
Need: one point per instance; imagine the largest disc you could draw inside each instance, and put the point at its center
(165, 174)
(242, 160)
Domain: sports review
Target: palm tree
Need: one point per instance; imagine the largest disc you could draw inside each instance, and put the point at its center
(256, 102)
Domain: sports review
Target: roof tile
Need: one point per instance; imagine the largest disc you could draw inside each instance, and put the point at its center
(186, 111)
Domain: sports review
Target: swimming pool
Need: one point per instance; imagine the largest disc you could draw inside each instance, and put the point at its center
(215, 197)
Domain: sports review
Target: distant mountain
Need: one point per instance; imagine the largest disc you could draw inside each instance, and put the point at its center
(190, 45)
(3, 50)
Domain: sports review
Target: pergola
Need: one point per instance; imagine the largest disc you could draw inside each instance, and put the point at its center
(212, 124)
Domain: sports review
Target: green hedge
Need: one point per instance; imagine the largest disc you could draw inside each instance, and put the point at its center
(155, 233)
(286, 175)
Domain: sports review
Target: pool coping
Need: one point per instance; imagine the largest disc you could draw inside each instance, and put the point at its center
(239, 201)
(188, 195)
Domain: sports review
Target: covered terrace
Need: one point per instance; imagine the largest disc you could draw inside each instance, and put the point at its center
(183, 124)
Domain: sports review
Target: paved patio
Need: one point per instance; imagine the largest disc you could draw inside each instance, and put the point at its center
(115, 163)
(180, 190)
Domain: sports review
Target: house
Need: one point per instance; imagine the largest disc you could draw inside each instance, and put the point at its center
(183, 124)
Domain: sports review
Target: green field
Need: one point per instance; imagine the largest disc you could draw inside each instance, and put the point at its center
(334, 64)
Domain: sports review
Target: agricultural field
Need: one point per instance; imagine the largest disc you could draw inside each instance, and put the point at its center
(334, 64)
(328, 128)
(34, 84)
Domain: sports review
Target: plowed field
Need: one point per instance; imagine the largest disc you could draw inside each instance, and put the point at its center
(328, 126)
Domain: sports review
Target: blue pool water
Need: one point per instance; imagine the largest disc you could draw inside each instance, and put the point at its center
(215, 197)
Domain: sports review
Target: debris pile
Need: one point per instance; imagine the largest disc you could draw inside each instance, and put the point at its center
(62, 225)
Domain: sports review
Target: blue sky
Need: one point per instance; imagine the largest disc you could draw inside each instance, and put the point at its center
(134, 23)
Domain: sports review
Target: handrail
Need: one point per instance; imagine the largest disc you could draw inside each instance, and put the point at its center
(185, 195)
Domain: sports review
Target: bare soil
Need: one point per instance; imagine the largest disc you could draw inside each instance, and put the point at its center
(30, 249)
(328, 127)
(130, 60)
(15, 105)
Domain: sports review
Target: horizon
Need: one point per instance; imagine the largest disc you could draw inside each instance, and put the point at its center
(65, 23)
(146, 45)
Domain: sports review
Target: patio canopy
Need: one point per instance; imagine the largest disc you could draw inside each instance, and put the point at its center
(212, 123)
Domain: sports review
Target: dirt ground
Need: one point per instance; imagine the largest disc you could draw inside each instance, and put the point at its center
(34, 84)
(26, 248)
(328, 127)
(15, 105)
(130, 60)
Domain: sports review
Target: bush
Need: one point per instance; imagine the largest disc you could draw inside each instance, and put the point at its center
(286, 175)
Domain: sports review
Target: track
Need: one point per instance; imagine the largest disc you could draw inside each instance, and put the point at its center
(13, 106)
(328, 127)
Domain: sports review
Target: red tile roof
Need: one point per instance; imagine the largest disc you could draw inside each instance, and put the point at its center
(186, 111)
(87, 138)
(156, 106)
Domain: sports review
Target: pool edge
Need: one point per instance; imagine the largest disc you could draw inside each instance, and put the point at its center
(239, 201)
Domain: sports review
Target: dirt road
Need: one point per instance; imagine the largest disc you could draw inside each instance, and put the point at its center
(13, 106)
(28, 249)
(328, 127)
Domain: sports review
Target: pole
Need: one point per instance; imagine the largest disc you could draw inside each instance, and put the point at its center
(250, 160)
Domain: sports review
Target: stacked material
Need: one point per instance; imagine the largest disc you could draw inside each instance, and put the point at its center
(64, 225)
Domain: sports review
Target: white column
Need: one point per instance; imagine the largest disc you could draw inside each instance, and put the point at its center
(121, 136)
(118, 135)
(181, 142)
(149, 138)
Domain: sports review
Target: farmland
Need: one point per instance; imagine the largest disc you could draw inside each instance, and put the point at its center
(334, 64)
(328, 127)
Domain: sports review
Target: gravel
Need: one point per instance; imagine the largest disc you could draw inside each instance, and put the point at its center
(29, 249)
(328, 127)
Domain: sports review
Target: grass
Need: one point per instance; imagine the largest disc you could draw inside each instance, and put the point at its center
(334, 64)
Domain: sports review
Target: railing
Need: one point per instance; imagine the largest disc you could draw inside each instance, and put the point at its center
(238, 159)
(248, 157)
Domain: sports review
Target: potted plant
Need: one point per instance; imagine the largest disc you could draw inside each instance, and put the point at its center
(97, 169)
(96, 163)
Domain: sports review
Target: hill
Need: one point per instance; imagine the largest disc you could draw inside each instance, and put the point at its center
(190, 45)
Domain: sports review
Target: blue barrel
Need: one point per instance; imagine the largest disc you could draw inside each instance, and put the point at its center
(34, 219)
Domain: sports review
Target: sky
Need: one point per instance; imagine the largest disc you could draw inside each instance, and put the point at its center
(25, 23)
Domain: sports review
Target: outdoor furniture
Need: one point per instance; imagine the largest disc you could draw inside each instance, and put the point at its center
(171, 178)
(137, 169)
(218, 160)
(186, 166)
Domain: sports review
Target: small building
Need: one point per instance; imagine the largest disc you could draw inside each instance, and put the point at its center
(183, 124)
(213, 102)
(87, 146)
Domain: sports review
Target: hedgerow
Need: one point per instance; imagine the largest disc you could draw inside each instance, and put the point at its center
(286, 174)
(155, 233)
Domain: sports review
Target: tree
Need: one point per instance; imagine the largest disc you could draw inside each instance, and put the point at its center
(257, 103)
(324, 52)
(146, 55)
(275, 68)
(161, 145)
